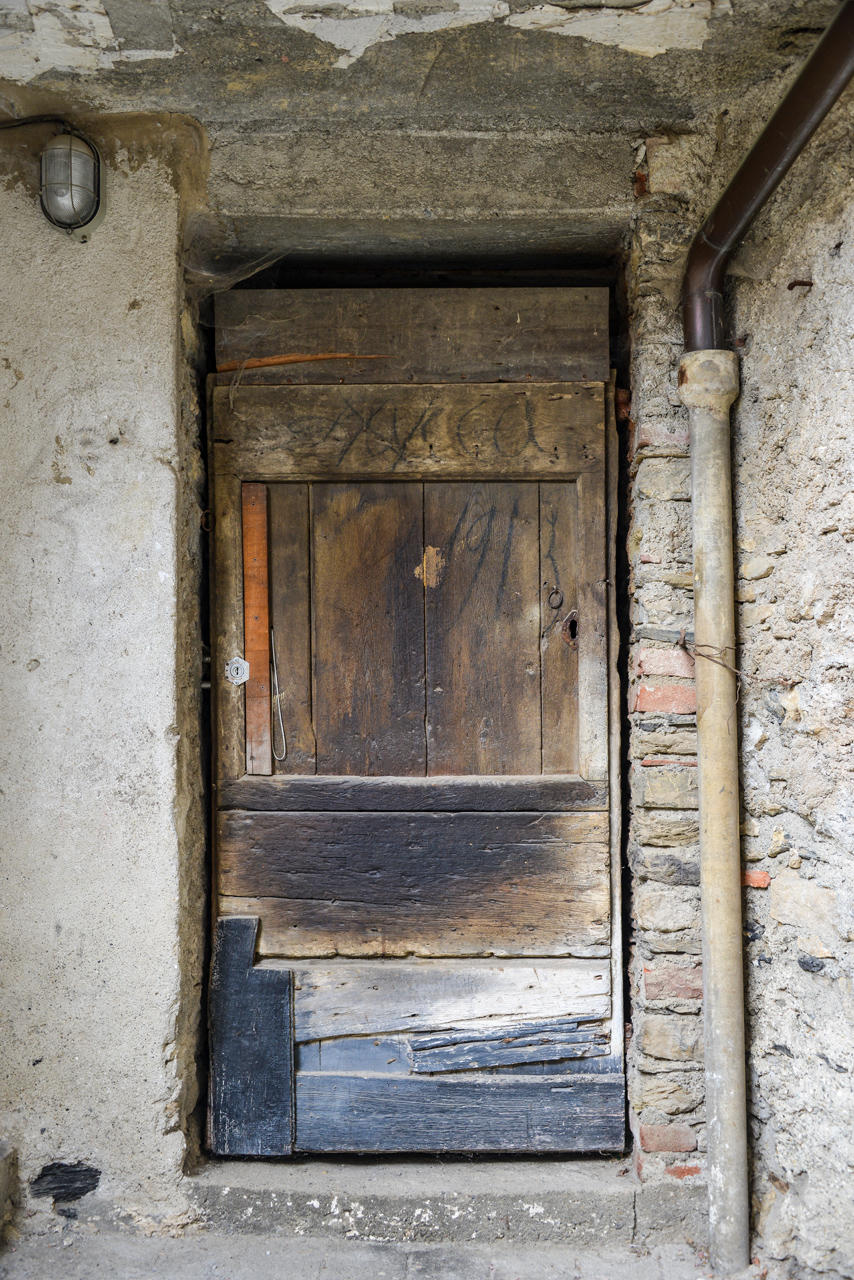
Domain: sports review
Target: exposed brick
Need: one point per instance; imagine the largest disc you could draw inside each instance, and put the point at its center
(678, 698)
(665, 662)
(673, 982)
(756, 879)
(659, 439)
(667, 1137)
(683, 1170)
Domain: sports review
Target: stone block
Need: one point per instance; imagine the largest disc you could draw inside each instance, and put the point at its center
(668, 866)
(672, 1093)
(674, 1037)
(670, 787)
(663, 479)
(806, 905)
(666, 909)
(666, 830)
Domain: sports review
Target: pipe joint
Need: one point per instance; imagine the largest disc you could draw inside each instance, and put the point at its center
(708, 380)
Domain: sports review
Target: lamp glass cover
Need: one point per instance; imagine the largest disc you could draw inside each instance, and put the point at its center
(69, 181)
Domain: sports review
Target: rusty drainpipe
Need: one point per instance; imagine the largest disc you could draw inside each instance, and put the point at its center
(708, 381)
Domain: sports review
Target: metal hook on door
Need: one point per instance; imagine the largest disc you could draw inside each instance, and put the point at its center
(276, 698)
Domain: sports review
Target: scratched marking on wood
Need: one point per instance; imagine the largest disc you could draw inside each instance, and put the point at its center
(497, 432)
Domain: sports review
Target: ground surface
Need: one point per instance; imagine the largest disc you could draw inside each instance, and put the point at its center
(75, 1254)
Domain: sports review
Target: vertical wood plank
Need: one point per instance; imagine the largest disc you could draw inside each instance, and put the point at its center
(290, 614)
(256, 628)
(592, 627)
(368, 628)
(481, 570)
(250, 1014)
(558, 610)
(227, 627)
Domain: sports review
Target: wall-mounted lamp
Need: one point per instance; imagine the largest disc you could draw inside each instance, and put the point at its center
(70, 186)
(70, 181)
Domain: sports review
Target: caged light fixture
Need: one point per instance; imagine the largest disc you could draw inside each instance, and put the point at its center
(70, 182)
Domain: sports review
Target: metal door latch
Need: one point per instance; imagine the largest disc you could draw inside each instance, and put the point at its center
(237, 670)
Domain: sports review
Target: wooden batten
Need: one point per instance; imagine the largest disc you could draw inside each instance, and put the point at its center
(412, 336)
(380, 431)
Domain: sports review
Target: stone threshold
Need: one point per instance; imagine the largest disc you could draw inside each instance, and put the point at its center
(550, 1201)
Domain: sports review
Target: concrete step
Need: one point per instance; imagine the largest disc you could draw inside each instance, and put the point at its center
(580, 1202)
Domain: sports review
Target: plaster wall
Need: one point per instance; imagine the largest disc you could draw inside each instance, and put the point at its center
(99, 821)
(792, 314)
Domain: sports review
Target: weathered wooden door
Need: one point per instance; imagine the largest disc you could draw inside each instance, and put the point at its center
(415, 941)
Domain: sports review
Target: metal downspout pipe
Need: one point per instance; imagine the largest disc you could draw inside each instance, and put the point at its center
(708, 382)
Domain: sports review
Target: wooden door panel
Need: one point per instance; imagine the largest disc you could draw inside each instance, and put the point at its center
(292, 728)
(428, 884)
(481, 572)
(368, 628)
(414, 842)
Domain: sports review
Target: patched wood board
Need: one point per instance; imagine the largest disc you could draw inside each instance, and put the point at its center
(361, 998)
(441, 884)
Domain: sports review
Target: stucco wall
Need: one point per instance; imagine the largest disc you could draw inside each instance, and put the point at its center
(96, 830)
(793, 322)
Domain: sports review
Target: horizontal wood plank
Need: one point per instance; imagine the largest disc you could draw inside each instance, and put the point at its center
(439, 794)
(367, 998)
(369, 884)
(416, 335)
(380, 432)
(476, 1112)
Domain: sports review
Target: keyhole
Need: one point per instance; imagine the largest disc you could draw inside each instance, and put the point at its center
(569, 629)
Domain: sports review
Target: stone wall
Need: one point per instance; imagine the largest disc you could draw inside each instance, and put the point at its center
(101, 799)
(793, 320)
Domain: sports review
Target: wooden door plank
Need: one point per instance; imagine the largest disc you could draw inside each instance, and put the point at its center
(470, 1112)
(559, 551)
(482, 625)
(371, 998)
(368, 630)
(250, 1012)
(256, 628)
(422, 335)
(494, 793)
(418, 883)
(292, 730)
(592, 627)
(392, 1054)
(229, 714)
(553, 430)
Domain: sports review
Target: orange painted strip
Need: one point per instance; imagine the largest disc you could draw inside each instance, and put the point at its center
(266, 362)
(256, 628)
